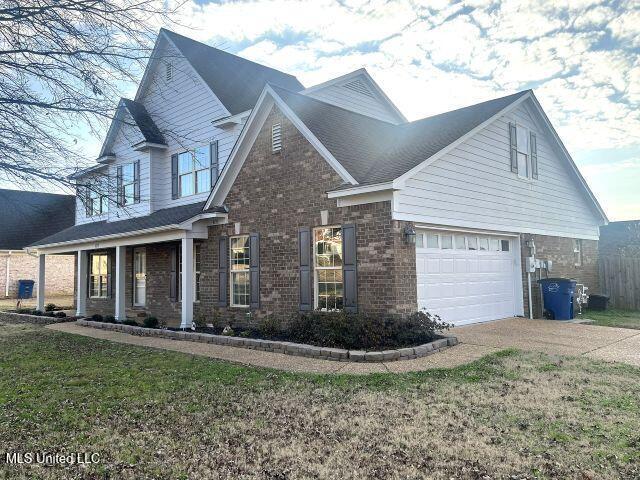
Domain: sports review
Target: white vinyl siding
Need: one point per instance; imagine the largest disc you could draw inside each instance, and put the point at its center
(354, 100)
(473, 186)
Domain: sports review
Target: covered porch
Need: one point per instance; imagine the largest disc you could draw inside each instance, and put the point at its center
(137, 273)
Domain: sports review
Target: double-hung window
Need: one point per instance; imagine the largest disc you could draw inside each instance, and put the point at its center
(327, 254)
(239, 258)
(194, 171)
(96, 203)
(128, 184)
(99, 275)
(523, 151)
(197, 269)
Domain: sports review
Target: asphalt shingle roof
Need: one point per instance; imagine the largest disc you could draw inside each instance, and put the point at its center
(374, 151)
(26, 217)
(159, 218)
(237, 82)
(145, 123)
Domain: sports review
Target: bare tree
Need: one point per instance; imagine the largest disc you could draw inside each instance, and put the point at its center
(63, 66)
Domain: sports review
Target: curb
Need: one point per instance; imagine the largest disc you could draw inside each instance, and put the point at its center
(288, 348)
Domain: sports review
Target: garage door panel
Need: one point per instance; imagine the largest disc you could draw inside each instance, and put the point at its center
(466, 286)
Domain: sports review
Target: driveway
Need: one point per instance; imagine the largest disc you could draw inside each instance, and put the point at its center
(552, 337)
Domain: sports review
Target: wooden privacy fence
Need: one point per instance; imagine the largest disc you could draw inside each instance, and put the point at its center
(620, 279)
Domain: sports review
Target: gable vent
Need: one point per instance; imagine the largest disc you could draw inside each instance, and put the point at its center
(169, 71)
(359, 87)
(276, 138)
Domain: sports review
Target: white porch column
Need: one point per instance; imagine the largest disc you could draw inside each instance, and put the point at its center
(121, 252)
(187, 283)
(41, 282)
(81, 289)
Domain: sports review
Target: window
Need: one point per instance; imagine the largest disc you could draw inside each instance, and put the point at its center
(97, 203)
(239, 259)
(446, 242)
(494, 245)
(98, 277)
(432, 240)
(577, 252)
(484, 244)
(472, 243)
(276, 138)
(460, 245)
(327, 254)
(523, 167)
(419, 240)
(197, 268)
(128, 184)
(195, 170)
(523, 151)
(504, 244)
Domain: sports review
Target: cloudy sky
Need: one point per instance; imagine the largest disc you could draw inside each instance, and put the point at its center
(583, 62)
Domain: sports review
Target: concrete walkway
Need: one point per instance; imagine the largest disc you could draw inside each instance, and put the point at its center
(450, 357)
(556, 338)
(552, 337)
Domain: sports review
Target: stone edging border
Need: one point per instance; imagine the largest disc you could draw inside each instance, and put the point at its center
(13, 317)
(288, 348)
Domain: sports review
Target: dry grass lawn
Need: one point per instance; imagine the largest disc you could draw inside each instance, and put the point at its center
(59, 300)
(159, 414)
(615, 318)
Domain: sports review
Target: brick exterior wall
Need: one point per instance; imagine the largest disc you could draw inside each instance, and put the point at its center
(560, 251)
(276, 194)
(58, 273)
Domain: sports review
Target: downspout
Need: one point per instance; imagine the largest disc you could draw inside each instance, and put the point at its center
(6, 284)
(529, 298)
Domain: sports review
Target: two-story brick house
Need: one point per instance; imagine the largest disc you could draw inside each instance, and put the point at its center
(226, 188)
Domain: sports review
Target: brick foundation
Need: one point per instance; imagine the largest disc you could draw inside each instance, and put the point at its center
(560, 251)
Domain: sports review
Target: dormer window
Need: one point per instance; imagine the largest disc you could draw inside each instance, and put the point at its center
(128, 184)
(96, 203)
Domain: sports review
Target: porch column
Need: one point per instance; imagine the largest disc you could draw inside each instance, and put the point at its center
(81, 288)
(187, 283)
(119, 285)
(41, 280)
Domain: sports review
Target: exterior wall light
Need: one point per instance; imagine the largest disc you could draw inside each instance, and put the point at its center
(410, 234)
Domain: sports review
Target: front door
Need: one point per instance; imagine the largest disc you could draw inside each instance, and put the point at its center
(139, 277)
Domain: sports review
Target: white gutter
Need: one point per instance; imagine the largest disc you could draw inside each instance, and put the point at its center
(356, 190)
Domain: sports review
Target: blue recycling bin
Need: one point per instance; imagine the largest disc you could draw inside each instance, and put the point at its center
(25, 288)
(557, 295)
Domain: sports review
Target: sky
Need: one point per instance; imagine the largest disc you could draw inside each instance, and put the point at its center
(581, 58)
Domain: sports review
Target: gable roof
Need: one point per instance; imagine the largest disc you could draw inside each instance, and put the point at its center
(237, 82)
(149, 130)
(29, 216)
(375, 151)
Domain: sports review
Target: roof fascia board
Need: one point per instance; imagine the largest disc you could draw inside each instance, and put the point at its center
(361, 71)
(113, 128)
(347, 192)
(399, 182)
(245, 141)
(568, 158)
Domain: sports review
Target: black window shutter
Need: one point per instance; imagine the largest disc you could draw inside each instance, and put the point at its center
(254, 270)
(349, 268)
(136, 180)
(513, 148)
(119, 192)
(174, 176)
(534, 155)
(213, 152)
(304, 243)
(173, 276)
(88, 204)
(223, 270)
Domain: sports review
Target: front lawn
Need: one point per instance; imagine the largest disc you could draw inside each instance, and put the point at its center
(160, 414)
(614, 318)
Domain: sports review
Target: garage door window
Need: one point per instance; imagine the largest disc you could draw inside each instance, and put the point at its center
(484, 244)
(472, 243)
(432, 240)
(446, 242)
(460, 245)
(505, 245)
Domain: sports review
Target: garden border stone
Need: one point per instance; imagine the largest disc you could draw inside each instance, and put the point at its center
(288, 348)
(13, 317)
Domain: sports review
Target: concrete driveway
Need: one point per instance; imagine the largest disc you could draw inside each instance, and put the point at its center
(552, 337)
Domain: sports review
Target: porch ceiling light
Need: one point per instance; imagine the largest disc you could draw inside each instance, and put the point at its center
(410, 234)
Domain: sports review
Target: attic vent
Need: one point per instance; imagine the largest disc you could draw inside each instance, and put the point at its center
(169, 71)
(276, 138)
(359, 87)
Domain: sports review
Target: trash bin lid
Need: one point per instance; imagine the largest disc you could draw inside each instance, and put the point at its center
(558, 280)
(26, 281)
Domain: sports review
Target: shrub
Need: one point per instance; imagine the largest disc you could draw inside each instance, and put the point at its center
(25, 310)
(131, 322)
(150, 322)
(228, 331)
(109, 319)
(270, 326)
(49, 307)
(50, 314)
(245, 333)
(61, 314)
(37, 313)
(96, 317)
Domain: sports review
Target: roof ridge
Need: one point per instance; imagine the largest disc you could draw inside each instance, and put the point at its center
(218, 50)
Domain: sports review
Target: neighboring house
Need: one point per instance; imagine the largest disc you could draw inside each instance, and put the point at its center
(231, 191)
(25, 218)
(621, 238)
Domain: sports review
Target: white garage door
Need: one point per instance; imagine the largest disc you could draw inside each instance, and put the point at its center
(466, 278)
